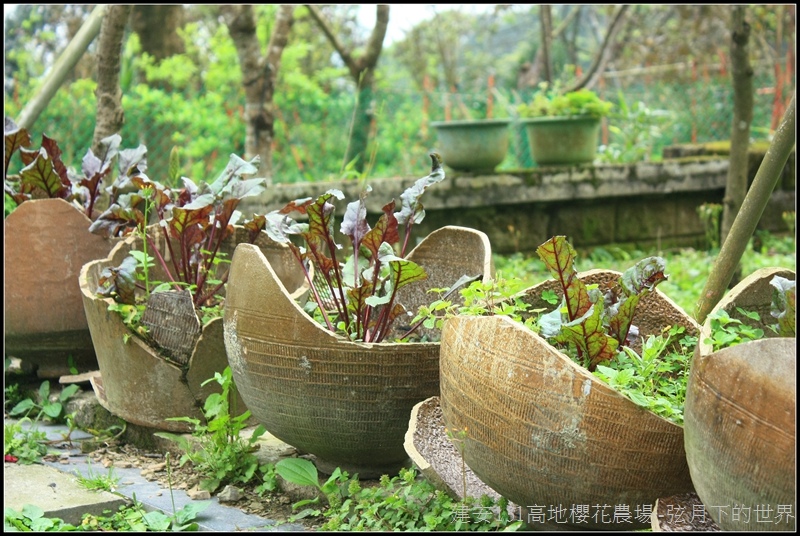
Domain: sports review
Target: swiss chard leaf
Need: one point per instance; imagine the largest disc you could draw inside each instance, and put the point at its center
(588, 335)
(784, 297)
(605, 320)
(559, 257)
(42, 174)
(354, 222)
(16, 137)
(411, 210)
(384, 232)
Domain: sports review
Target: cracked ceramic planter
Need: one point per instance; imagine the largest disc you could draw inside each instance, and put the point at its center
(343, 401)
(740, 417)
(47, 241)
(545, 433)
(136, 382)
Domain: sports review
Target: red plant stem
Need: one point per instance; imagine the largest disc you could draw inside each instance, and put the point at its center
(161, 261)
(338, 297)
(382, 324)
(299, 258)
(408, 226)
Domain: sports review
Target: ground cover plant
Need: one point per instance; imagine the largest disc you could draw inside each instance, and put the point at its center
(129, 518)
(356, 296)
(23, 440)
(400, 503)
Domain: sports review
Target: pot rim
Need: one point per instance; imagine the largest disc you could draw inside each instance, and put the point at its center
(561, 119)
(470, 122)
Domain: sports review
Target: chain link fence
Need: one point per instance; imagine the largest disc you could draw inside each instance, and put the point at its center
(312, 133)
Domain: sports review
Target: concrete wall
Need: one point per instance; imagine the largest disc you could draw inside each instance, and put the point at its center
(642, 204)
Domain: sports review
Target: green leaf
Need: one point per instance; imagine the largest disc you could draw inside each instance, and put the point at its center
(53, 409)
(298, 471)
(67, 392)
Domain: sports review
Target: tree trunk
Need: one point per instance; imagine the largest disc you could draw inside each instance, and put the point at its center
(742, 77)
(361, 69)
(157, 26)
(110, 116)
(60, 72)
(767, 177)
(259, 75)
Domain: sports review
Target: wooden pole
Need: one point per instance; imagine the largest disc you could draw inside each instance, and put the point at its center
(65, 63)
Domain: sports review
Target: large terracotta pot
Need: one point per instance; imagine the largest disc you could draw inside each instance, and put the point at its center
(542, 430)
(47, 241)
(345, 402)
(740, 418)
(136, 382)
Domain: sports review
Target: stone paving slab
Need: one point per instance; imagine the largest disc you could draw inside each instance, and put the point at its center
(32, 484)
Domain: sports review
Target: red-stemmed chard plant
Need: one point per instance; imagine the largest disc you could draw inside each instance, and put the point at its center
(597, 322)
(356, 296)
(197, 219)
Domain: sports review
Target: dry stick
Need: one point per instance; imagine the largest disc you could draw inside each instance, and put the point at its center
(744, 225)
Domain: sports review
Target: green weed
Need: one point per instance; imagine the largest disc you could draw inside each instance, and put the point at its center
(217, 450)
(403, 502)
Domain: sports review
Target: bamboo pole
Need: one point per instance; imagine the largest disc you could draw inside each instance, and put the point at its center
(65, 63)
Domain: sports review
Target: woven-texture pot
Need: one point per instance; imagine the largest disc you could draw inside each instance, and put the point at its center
(740, 417)
(47, 241)
(346, 402)
(136, 383)
(544, 433)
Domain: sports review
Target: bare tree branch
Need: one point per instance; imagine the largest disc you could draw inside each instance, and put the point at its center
(593, 73)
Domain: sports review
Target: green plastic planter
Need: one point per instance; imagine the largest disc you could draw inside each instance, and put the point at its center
(563, 140)
(479, 145)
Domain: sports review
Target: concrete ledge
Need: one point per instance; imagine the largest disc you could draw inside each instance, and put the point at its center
(644, 205)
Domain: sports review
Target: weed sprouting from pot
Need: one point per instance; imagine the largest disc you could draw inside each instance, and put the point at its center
(217, 450)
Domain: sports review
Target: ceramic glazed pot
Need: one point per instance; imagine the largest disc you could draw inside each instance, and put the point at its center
(136, 382)
(345, 402)
(740, 418)
(563, 140)
(47, 241)
(546, 434)
(479, 145)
